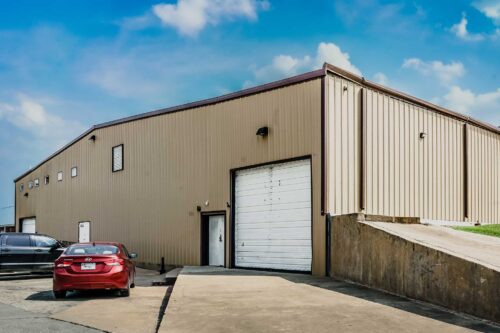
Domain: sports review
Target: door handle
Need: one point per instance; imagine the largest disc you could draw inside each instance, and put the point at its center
(220, 238)
(38, 250)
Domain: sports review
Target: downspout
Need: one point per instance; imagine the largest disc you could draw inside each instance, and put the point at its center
(466, 173)
(362, 155)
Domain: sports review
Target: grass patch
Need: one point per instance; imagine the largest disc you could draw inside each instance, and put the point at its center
(489, 230)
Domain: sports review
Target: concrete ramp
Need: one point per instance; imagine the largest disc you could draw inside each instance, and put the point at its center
(454, 269)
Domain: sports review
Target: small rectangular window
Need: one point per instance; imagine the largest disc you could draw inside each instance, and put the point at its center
(30, 185)
(117, 158)
(37, 182)
(21, 187)
(47, 180)
(60, 176)
(74, 172)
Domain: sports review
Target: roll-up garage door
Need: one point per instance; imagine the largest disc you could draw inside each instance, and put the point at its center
(28, 225)
(273, 217)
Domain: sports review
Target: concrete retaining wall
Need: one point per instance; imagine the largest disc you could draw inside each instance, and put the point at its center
(375, 258)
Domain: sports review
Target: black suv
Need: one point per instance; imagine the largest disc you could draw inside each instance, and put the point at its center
(28, 252)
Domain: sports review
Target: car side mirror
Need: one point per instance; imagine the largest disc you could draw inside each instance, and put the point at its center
(133, 255)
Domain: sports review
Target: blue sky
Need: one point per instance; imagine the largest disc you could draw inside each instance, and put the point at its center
(66, 65)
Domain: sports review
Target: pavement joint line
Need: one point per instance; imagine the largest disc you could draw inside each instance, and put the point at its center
(163, 307)
(77, 324)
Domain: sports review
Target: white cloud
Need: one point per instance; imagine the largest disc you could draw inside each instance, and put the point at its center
(483, 105)
(287, 65)
(446, 73)
(332, 54)
(381, 78)
(460, 30)
(282, 66)
(490, 8)
(30, 115)
(189, 17)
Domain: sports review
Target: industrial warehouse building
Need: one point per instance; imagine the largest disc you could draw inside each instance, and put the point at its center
(247, 179)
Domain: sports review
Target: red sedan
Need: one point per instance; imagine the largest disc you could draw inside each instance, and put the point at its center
(95, 265)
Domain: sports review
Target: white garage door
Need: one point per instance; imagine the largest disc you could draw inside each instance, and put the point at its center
(273, 217)
(29, 226)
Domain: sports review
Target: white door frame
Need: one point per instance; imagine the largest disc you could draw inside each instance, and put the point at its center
(80, 227)
(205, 236)
(25, 219)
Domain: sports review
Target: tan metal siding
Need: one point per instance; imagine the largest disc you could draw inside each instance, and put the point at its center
(342, 141)
(484, 175)
(173, 163)
(405, 175)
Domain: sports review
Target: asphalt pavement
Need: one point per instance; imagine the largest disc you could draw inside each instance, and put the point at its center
(27, 305)
(16, 320)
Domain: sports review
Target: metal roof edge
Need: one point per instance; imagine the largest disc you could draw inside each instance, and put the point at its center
(361, 80)
(183, 107)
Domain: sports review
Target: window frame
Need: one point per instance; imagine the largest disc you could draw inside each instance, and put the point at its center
(76, 172)
(62, 176)
(113, 158)
(46, 180)
(36, 182)
(30, 185)
(21, 187)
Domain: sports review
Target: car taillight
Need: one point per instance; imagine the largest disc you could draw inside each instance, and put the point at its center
(64, 264)
(115, 263)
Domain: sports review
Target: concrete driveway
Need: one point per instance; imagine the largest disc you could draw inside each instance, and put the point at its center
(221, 300)
(27, 305)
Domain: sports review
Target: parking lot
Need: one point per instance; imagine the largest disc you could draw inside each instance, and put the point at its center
(28, 305)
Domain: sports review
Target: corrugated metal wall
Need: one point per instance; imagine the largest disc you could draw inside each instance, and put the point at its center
(404, 174)
(174, 163)
(484, 175)
(342, 140)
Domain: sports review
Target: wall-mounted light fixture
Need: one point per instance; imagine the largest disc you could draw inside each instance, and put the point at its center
(263, 131)
(422, 135)
(92, 138)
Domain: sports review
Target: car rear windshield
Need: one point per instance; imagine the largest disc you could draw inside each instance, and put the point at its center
(91, 249)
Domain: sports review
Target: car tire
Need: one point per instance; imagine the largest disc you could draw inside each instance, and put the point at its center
(125, 292)
(132, 285)
(59, 294)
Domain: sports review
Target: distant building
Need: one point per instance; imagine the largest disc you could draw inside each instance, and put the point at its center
(246, 179)
(7, 228)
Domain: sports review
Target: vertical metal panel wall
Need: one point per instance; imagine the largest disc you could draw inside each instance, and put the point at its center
(342, 141)
(484, 175)
(174, 163)
(412, 158)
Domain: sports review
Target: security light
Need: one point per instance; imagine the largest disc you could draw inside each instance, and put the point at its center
(92, 138)
(263, 131)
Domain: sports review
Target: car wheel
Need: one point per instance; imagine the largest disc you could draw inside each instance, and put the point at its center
(125, 292)
(60, 294)
(132, 285)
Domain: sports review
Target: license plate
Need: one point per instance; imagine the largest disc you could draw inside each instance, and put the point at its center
(88, 266)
